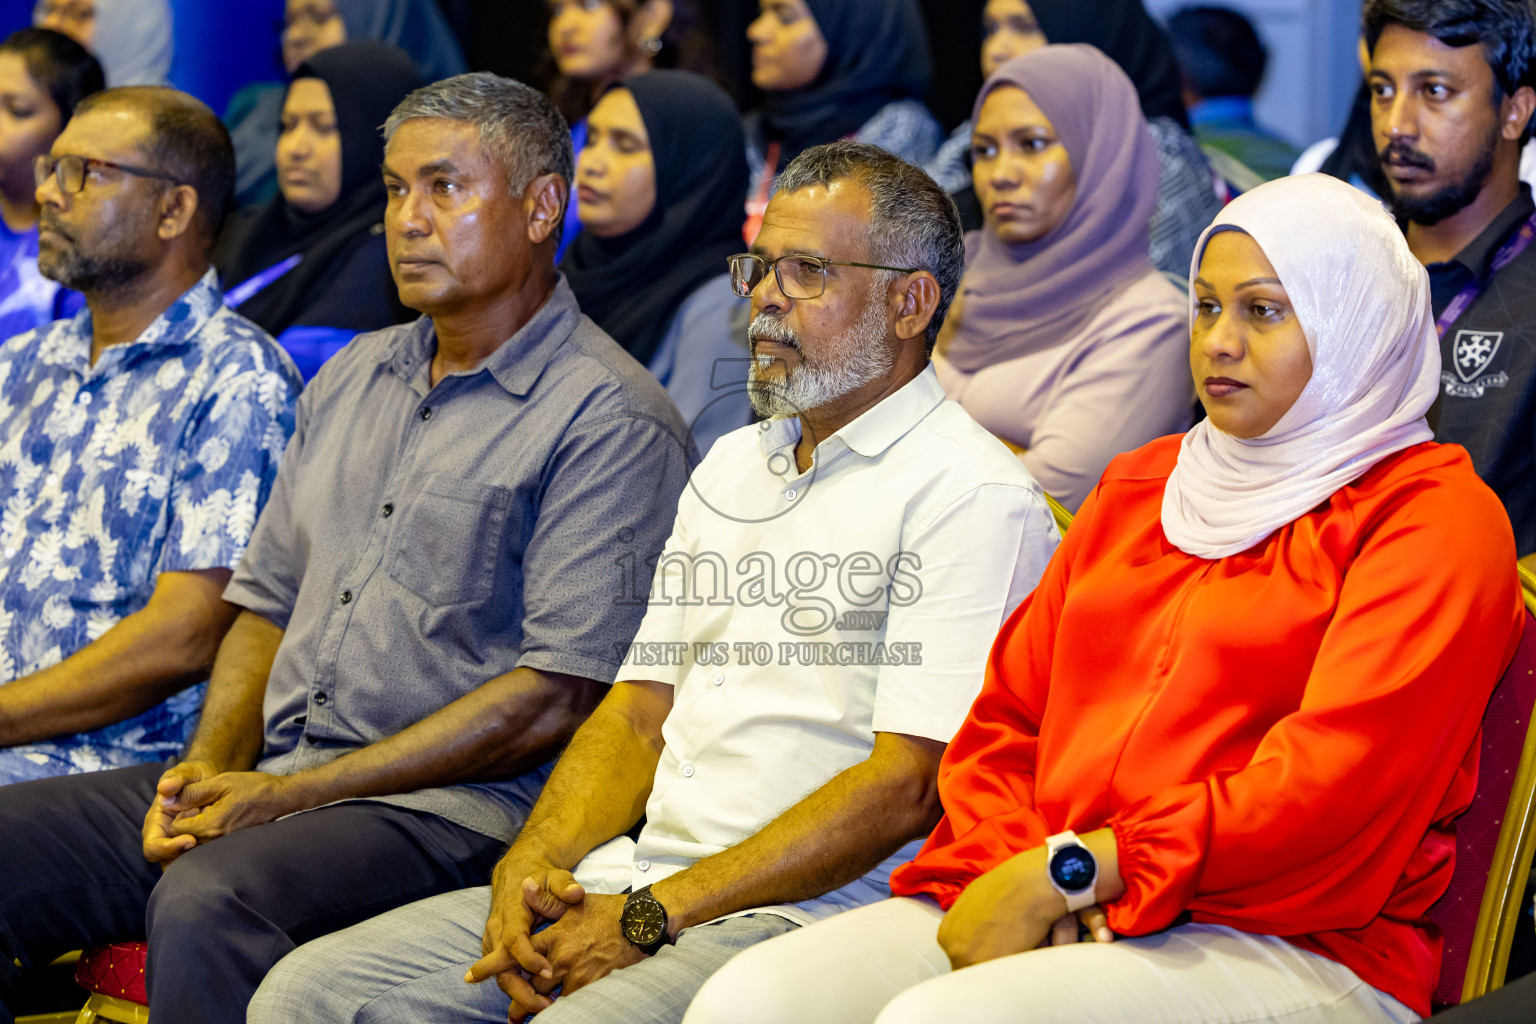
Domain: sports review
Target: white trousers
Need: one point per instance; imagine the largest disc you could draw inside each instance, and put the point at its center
(883, 963)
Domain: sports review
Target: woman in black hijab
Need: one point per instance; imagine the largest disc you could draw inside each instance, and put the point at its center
(659, 182)
(834, 69)
(1126, 33)
(310, 266)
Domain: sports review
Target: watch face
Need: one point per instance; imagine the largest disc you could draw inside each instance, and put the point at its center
(644, 920)
(1073, 868)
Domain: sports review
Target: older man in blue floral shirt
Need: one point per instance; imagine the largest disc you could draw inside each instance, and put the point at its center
(138, 443)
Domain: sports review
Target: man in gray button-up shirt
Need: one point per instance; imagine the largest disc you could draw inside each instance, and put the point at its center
(455, 553)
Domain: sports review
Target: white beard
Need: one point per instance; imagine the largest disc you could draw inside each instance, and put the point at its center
(859, 356)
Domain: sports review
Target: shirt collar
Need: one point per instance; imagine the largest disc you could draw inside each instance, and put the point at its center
(1478, 255)
(181, 320)
(516, 363)
(877, 429)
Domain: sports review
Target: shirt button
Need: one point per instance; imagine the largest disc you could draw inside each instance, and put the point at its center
(346, 597)
(643, 865)
(426, 413)
(719, 678)
(763, 426)
(85, 398)
(388, 509)
(789, 495)
(52, 480)
(687, 771)
(321, 698)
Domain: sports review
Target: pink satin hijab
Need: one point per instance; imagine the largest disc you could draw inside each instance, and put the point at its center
(1363, 302)
(1022, 299)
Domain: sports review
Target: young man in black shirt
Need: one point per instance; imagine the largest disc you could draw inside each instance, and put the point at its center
(1452, 103)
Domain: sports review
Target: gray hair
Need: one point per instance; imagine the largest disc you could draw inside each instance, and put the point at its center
(912, 221)
(519, 127)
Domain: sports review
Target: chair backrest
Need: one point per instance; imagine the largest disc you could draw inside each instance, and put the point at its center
(1481, 908)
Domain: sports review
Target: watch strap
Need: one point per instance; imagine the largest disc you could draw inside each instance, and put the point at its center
(1079, 901)
(1076, 899)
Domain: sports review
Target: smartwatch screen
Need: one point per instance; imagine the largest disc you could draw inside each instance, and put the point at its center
(1073, 868)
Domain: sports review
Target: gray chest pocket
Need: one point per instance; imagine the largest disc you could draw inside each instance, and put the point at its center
(447, 545)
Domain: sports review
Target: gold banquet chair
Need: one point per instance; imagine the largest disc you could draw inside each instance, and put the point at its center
(1482, 908)
(1478, 915)
(114, 976)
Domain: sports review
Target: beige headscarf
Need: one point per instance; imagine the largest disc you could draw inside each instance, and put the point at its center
(1363, 302)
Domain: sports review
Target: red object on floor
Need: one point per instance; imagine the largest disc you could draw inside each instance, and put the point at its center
(116, 970)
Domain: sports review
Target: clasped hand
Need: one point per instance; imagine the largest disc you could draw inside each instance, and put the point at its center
(195, 803)
(582, 942)
(1012, 909)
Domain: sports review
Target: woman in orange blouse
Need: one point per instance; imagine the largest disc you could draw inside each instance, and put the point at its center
(1233, 725)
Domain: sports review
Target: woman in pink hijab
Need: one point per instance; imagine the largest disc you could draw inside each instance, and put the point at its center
(1066, 342)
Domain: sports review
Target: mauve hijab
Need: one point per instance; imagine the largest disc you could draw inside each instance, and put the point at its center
(1021, 299)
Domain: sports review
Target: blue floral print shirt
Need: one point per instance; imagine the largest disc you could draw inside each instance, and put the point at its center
(157, 459)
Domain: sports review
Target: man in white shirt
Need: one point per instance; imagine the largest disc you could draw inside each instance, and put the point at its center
(816, 632)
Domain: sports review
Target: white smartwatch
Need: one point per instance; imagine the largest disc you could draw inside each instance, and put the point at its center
(1072, 870)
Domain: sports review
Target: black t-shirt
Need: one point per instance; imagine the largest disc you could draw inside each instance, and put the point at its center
(1487, 401)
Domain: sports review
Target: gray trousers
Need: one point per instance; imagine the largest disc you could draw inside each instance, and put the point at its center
(408, 966)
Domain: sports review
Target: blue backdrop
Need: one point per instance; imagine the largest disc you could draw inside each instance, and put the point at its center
(220, 46)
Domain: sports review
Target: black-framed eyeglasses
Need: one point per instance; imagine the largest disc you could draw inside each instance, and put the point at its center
(70, 169)
(799, 277)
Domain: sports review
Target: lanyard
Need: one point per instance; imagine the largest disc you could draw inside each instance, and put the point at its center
(1506, 254)
(237, 295)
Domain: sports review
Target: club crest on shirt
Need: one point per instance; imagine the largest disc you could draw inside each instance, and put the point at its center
(1472, 356)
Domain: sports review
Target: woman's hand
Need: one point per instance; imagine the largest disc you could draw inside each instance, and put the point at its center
(1067, 929)
(1013, 908)
(1008, 910)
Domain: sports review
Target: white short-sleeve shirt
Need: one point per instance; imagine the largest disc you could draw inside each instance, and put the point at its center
(797, 614)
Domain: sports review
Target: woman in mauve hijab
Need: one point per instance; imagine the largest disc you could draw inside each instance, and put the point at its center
(1065, 341)
(1125, 32)
(1206, 781)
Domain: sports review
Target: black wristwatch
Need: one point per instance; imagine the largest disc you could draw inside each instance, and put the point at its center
(644, 921)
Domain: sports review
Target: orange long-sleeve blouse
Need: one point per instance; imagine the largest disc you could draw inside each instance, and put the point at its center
(1280, 739)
